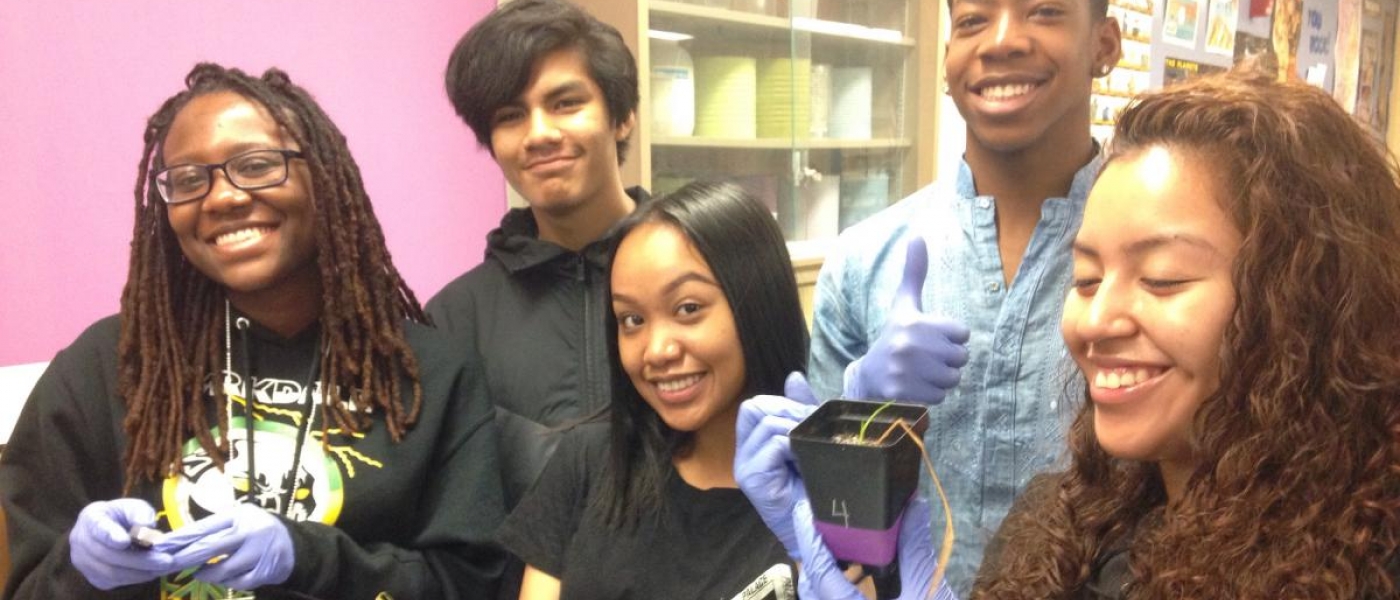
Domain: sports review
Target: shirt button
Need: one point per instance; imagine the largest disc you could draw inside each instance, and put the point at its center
(984, 203)
(994, 287)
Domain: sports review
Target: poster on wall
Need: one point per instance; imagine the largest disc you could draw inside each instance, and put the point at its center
(1180, 69)
(1386, 68)
(1368, 78)
(1374, 64)
(1317, 41)
(1348, 53)
(1220, 34)
(1179, 22)
(1288, 24)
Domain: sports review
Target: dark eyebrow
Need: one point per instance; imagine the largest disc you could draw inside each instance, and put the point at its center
(1145, 245)
(235, 150)
(684, 278)
(564, 89)
(1078, 248)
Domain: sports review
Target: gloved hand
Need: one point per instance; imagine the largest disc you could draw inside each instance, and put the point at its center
(917, 357)
(255, 546)
(822, 578)
(100, 545)
(795, 387)
(763, 462)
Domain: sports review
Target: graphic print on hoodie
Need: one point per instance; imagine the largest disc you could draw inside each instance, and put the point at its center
(280, 415)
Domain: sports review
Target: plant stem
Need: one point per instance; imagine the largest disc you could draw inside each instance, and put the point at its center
(868, 420)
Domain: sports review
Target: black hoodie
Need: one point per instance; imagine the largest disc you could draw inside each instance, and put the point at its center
(367, 515)
(536, 314)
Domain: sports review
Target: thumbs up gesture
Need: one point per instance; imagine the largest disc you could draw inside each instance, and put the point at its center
(917, 357)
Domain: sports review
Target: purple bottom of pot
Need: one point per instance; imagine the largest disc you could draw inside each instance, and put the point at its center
(872, 547)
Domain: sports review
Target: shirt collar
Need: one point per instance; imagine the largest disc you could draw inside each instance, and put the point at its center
(1087, 175)
(966, 186)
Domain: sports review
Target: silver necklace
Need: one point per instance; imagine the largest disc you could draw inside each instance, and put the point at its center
(228, 368)
(229, 593)
(308, 416)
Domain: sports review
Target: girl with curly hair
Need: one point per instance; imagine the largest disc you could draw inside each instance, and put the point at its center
(1234, 312)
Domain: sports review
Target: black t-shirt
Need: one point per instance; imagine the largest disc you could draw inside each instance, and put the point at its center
(704, 545)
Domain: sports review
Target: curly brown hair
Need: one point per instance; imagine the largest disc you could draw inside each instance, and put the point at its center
(1297, 490)
(172, 316)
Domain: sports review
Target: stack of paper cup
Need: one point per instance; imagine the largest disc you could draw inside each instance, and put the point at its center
(725, 96)
(672, 90)
(821, 100)
(784, 95)
(852, 93)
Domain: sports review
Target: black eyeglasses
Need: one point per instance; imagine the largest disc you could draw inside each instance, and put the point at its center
(248, 171)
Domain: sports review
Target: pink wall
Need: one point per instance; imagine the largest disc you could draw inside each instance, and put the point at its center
(79, 78)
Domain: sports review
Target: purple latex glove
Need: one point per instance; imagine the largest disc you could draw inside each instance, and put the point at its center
(822, 578)
(763, 462)
(100, 545)
(918, 357)
(795, 388)
(255, 546)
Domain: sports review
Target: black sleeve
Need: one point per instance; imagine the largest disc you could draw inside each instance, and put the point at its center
(453, 308)
(541, 527)
(63, 454)
(451, 553)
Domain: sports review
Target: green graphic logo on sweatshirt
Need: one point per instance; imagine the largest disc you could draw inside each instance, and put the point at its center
(308, 489)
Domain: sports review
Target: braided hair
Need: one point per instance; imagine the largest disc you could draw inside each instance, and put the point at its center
(172, 318)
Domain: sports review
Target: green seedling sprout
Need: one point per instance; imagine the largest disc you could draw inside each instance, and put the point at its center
(870, 419)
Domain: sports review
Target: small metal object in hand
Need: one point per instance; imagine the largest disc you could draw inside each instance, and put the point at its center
(144, 537)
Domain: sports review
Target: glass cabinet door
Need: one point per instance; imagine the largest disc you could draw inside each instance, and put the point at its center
(807, 103)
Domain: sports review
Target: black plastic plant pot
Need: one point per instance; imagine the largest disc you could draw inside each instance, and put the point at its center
(859, 488)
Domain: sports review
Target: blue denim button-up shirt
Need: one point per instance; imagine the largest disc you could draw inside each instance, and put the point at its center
(1006, 419)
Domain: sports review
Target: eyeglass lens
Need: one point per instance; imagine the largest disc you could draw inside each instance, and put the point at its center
(249, 171)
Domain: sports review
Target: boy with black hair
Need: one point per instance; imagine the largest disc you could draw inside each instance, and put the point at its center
(551, 92)
(981, 333)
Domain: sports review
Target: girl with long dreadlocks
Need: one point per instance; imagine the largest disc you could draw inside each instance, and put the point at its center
(268, 402)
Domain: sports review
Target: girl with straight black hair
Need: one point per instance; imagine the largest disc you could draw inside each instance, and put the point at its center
(705, 314)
